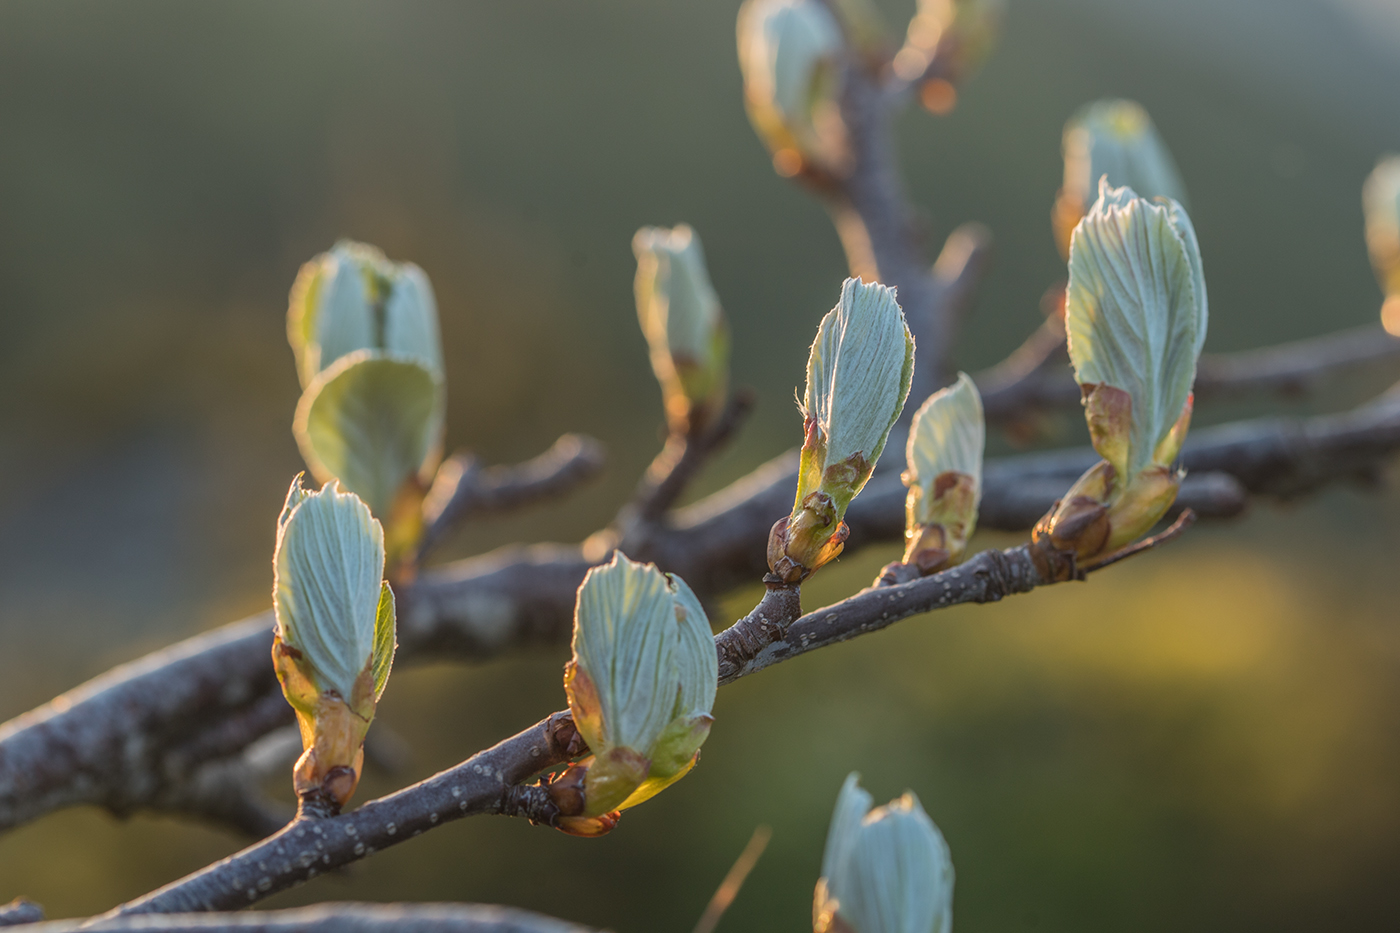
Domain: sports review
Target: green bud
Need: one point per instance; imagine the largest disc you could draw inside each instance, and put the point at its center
(791, 55)
(334, 641)
(1114, 138)
(886, 870)
(946, 441)
(365, 334)
(1380, 198)
(641, 683)
(858, 377)
(683, 323)
(353, 298)
(1135, 315)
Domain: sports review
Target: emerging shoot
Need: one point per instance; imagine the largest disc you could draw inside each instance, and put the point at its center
(858, 378)
(886, 870)
(1136, 318)
(946, 441)
(684, 325)
(365, 334)
(641, 685)
(1115, 138)
(334, 642)
(791, 54)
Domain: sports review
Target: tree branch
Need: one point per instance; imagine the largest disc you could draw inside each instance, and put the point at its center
(1037, 377)
(336, 918)
(463, 489)
(111, 741)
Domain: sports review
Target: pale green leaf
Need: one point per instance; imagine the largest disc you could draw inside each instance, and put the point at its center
(859, 372)
(948, 434)
(344, 319)
(676, 304)
(1117, 138)
(783, 46)
(372, 420)
(411, 319)
(625, 636)
(895, 874)
(1135, 310)
(697, 662)
(385, 639)
(852, 804)
(328, 567)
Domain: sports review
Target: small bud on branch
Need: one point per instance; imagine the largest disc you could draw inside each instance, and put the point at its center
(946, 441)
(365, 334)
(858, 377)
(791, 55)
(1136, 316)
(1117, 139)
(681, 317)
(334, 643)
(641, 686)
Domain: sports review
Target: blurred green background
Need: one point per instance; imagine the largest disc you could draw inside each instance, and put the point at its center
(1206, 738)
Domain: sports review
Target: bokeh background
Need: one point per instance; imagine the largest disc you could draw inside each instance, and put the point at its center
(1206, 738)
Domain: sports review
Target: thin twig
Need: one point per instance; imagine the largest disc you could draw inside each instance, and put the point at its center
(1185, 520)
(463, 490)
(1036, 376)
(680, 460)
(734, 880)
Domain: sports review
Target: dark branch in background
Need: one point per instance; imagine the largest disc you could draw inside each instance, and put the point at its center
(135, 735)
(1036, 377)
(464, 489)
(337, 918)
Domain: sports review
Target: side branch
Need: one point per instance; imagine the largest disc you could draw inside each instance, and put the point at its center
(108, 742)
(1036, 376)
(464, 489)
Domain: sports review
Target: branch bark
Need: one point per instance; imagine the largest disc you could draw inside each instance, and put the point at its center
(125, 739)
(336, 918)
(1037, 376)
(463, 489)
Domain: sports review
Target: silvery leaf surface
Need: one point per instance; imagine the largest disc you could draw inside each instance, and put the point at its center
(896, 874)
(859, 371)
(1135, 310)
(1117, 138)
(852, 804)
(948, 433)
(697, 663)
(328, 567)
(372, 420)
(625, 636)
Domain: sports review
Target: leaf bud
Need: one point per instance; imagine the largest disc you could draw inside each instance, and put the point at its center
(641, 683)
(364, 331)
(1135, 315)
(334, 642)
(1115, 138)
(886, 870)
(683, 323)
(791, 53)
(946, 441)
(858, 377)
(1380, 197)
